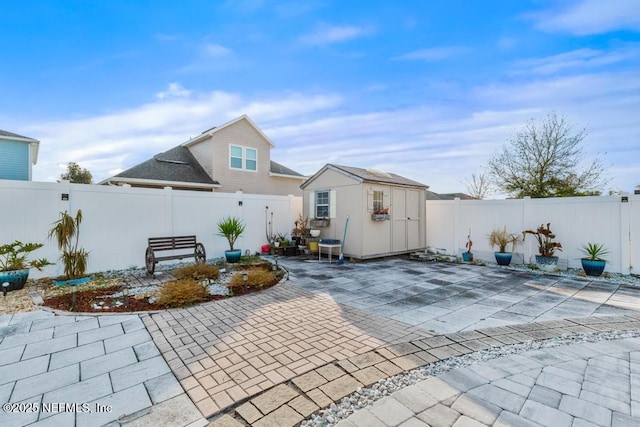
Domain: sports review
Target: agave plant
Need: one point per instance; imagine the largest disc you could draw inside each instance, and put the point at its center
(67, 233)
(231, 227)
(594, 252)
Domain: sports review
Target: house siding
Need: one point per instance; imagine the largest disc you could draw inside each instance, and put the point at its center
(14, 160)
(213, 154)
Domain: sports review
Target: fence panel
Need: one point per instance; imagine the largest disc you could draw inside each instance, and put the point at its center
(118, 220)
(575, 221)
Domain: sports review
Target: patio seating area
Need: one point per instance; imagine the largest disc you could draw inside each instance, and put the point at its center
(285, 353)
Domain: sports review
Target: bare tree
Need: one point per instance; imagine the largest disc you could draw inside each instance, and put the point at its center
(543, 160)
(478, 186)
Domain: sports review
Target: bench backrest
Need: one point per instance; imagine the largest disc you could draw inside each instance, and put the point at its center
(168, 243)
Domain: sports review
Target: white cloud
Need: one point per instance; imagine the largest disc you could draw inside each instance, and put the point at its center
(216, 50)
(433, 53)
(329, 34)
(587, 17)
(580, 59)
(174, 90)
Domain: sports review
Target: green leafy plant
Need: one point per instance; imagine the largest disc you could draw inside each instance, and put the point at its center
(594, 252)
(231, 228)
(197, 271)
(544, 236)
(502, 238)
(13, 256)
(67, 233)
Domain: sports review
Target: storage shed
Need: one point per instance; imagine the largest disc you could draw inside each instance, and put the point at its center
(386, 211)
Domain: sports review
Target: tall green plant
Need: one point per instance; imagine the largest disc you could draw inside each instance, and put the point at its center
(67, 233)
(13, 256)
(231, 227)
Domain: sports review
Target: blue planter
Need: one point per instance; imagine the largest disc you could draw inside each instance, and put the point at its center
(15, 278)
(233, 256)
(547, 263)
(467, 256)
(503, 258)
(72, 282)
(593, 268)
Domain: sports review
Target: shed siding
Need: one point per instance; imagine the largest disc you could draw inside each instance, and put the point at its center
(14, 160)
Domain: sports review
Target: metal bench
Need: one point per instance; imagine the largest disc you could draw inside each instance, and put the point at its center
(159, 244)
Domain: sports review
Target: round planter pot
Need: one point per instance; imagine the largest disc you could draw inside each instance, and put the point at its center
(503, 258)
(593, 268)
(15, 278)
(467, 256)
(233, 256)
(547, 263)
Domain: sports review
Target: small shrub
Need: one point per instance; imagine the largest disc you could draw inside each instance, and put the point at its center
(181, 293)
(197, 271)
(255, 277)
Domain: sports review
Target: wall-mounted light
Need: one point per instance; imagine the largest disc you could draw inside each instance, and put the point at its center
(65, 196)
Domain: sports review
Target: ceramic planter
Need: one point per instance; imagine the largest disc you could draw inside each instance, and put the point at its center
(503, 258)
(547, 263)
(593, 267)
(15, 278)
(467, 256)
(233, 256)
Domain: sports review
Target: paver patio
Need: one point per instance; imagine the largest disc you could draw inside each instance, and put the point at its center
(282, 354)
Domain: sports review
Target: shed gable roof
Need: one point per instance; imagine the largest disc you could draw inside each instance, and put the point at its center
(366, 175)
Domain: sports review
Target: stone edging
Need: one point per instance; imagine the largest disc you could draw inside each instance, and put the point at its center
(290, 403)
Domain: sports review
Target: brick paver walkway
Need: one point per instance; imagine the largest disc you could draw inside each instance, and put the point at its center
(233, 349)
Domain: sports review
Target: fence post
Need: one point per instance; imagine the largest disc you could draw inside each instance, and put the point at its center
(625, 235)
(526, 248)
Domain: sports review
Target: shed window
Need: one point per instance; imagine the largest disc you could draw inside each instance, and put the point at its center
(378, 201)
(322, 204)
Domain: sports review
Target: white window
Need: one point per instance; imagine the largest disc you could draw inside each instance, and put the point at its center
(243, 158)
(322, 204)
(378, 201)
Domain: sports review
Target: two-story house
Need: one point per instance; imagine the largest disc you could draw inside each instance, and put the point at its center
(233, 157)
(17, 155)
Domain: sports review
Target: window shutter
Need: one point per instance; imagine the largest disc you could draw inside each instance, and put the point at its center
(312, 204)
(370, 199)
(385, 200)
(332, 204)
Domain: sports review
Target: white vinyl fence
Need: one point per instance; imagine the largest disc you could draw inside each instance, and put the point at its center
(610, 220)
(118, 220)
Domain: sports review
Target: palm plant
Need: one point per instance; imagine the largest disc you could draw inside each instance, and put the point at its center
(594, 252)
(231, 227)
(67, 232)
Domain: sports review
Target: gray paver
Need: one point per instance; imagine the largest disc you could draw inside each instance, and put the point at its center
(125, 402)
(80, 392)
(119, 342)
(76, 355)
(108, 362)
(139, 372)
(47, 381)
(391, 412)
(545, 415)
(102, 333)
(585, 410)
(163, 388)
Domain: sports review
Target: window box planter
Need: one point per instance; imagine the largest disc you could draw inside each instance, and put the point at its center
(380, 217)
(319, 223)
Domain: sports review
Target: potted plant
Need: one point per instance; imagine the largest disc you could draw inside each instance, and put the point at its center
(593, 264)
(468, 255)
(67, 233)
(298, 232)
(502, 238)
(14, 267)
(546, 260)
(231, 228)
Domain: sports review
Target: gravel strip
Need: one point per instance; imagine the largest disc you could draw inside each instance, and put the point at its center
(364, 397)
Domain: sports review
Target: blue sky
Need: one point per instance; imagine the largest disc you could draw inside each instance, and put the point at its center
(426, 89)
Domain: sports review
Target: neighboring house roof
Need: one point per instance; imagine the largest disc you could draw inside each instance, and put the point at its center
(210, 132)
(448, 196)
(369, 175)
(278, 169)
(35, 144)
(175, 166)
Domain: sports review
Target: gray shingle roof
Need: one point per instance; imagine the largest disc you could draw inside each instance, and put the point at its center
(448, 196)
(176, 164)
(283, 170)
(373, 176)
(14, 135)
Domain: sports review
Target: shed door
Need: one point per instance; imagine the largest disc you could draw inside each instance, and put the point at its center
(413, 219)
(405, 214)
(399, 219)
